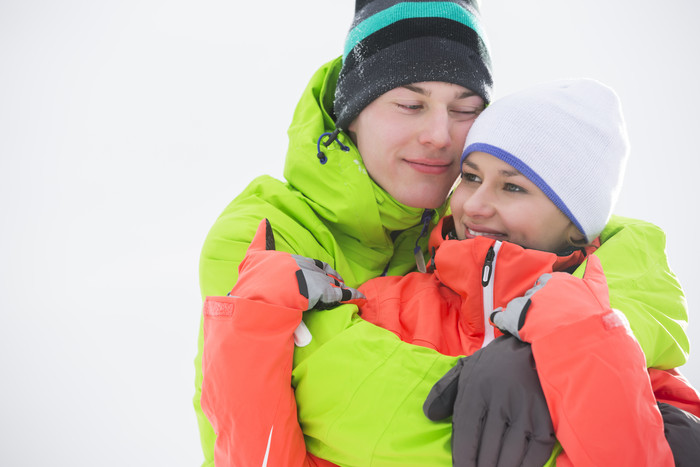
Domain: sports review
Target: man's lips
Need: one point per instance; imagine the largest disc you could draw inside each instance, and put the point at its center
(429, 166)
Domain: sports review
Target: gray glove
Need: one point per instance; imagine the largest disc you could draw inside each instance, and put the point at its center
(682, 430)
(293, 281)
(512, 318)
(499, 414)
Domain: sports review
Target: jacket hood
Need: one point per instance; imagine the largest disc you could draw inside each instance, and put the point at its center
(340, 190)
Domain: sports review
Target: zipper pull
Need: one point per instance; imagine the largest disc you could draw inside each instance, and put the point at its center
(420, 260)
(488, 267)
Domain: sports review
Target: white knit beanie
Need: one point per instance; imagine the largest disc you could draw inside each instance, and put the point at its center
(568, 137)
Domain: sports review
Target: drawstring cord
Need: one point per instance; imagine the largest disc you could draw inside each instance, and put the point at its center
(425, 220)
(420, 260)
(330, 138)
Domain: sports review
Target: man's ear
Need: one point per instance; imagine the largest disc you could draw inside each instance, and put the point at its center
(351, 131)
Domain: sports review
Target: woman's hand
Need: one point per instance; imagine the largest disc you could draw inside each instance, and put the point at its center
(293, 281)
(558, 300)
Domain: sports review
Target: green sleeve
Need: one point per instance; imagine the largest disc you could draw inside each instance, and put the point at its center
(642, 286)
(360, 393)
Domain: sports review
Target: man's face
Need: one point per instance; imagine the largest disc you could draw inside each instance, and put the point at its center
(495, 200)
(411, 139)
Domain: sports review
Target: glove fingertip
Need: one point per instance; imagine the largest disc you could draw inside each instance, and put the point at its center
(436, 408)
(441, 399)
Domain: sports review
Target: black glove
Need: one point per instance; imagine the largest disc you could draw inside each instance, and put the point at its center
(682, 430)
(500, 415)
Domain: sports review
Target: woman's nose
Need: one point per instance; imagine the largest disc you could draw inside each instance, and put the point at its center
(480, 203)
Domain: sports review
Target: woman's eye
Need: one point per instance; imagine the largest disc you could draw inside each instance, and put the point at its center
(514, 188)
(470, 177)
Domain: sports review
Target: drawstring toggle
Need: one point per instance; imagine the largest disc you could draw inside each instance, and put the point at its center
(330, 137)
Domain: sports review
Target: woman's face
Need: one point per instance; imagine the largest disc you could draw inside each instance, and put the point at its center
(411, 139)
(494, 200)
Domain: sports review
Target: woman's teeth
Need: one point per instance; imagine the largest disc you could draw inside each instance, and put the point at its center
(483, 234)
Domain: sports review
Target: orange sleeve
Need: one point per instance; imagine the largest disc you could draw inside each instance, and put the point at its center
(593, 374)
(604, 412)
(246, 391)
(671, 387)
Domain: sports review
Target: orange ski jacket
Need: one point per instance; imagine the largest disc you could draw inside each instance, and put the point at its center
(587, 367)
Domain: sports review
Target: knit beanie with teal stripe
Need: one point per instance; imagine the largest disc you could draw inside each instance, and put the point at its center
(392, 43)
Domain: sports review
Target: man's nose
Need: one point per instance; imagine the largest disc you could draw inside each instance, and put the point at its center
(436, 129)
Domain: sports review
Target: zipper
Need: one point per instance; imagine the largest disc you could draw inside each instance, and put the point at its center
(487, 273)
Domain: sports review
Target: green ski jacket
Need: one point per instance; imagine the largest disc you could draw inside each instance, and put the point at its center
(334, 212)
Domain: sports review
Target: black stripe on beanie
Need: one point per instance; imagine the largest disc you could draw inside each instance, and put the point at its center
(414, 28)
(365, 9)
(413, 61)
(360, 4)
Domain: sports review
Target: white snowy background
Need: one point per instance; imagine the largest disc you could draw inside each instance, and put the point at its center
(127, 126)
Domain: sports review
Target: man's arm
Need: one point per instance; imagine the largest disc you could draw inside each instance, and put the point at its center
(248, 345)
(643, 287)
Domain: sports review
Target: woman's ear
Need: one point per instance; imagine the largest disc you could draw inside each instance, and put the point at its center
(574, 236)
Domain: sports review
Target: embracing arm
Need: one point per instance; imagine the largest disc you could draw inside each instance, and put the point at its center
(226, 245)
(360, 390)
(246, 392)
(368, 374)
(603, 408)
(247, 358)
(592, 371)
(645, 290)
(240, 342)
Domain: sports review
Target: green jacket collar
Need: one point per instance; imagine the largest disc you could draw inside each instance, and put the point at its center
(340, 190)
